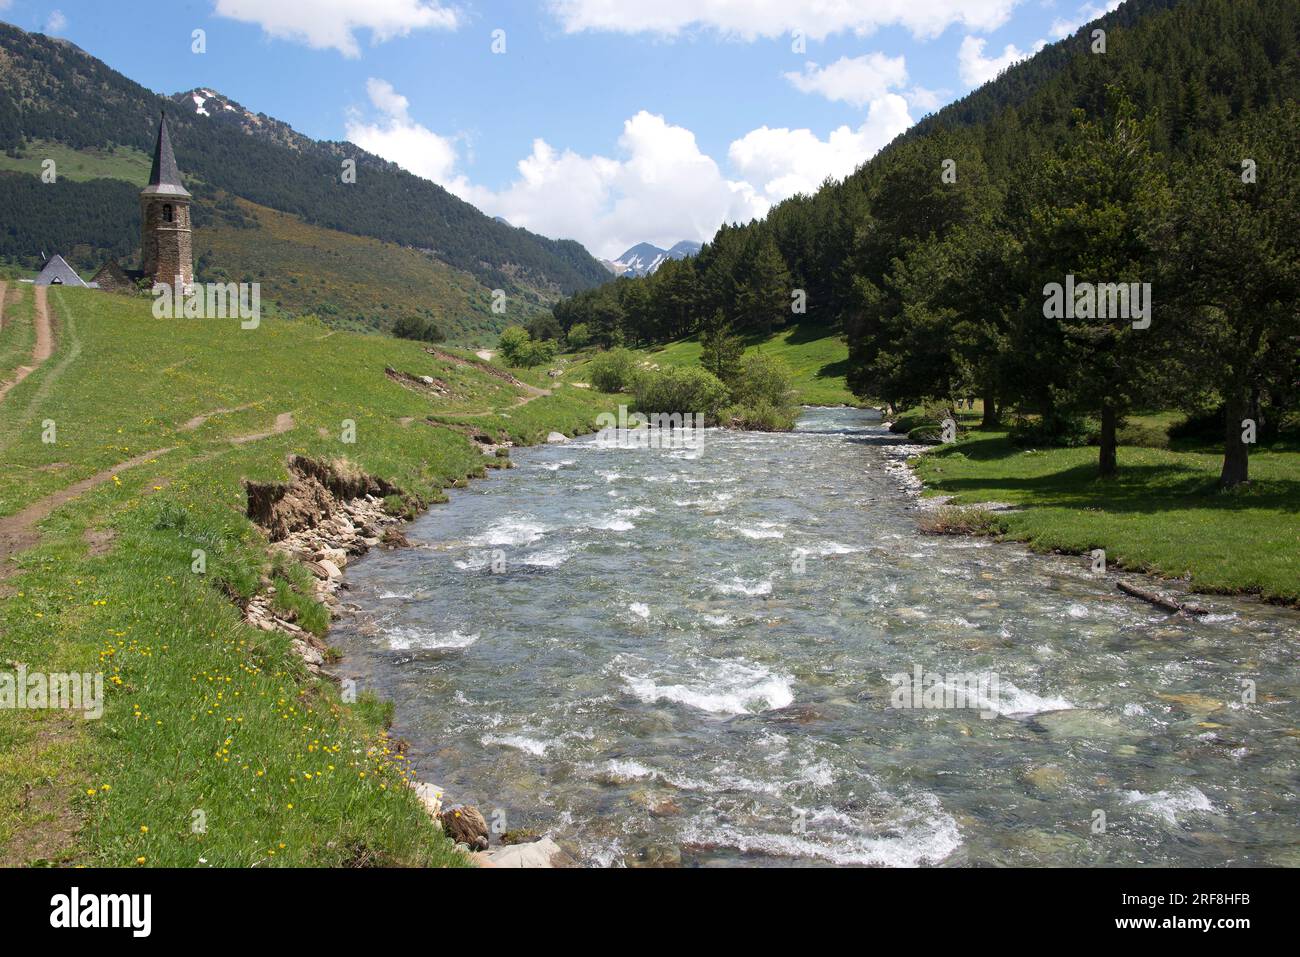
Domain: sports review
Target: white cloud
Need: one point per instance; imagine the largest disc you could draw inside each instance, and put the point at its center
(976, 69)
(783, 162)
(749, 19)
(398, 138)
(663, 190)
(56, 23)
(856, 81)
(660, 187)
(332, 24)
(927, 101)
(1065, 26)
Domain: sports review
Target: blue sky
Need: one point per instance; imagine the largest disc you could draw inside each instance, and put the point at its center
(607, 121)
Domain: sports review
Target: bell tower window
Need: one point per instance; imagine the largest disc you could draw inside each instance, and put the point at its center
(167, 212)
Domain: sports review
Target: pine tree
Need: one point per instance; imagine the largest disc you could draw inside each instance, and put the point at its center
(1095, 226)
(720, 349)
(764, 299)
(1236, 265)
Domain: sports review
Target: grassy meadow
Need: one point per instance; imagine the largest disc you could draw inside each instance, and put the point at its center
(121, 162)
(1163, 514)
(216, 746)
(817, 357)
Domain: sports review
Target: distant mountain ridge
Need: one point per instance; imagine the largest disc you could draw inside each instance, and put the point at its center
(52, 91)
(643, 259)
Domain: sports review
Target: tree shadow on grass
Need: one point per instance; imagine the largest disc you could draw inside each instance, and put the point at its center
(806, 332)
(834, 370)
(1139, 489)
(981, 450)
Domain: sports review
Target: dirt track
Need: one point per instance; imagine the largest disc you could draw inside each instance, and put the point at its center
(44, 339)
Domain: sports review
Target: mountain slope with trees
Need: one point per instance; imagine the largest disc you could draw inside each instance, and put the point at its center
(1114, 163)
(52, 91)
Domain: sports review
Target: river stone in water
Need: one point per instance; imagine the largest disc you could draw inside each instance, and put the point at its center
(1081, 723)
(465, 825)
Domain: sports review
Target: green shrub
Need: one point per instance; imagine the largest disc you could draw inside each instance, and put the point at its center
(579, 337)
(514, 345)
(414, 327)
(680, 389)
(762, 378)
(1065, 432)
(761, 395)
(517, 348)
(761, 416)
(927, 414)
(1141, 434)
(611, 371)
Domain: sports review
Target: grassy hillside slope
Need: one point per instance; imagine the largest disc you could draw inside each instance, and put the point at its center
(203, 713)
(351, 281)
(118, 162)
(817, 357)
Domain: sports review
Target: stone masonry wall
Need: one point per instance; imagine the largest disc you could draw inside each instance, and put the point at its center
(166, 249)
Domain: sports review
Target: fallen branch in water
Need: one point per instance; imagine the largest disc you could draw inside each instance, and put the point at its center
(1160, 601)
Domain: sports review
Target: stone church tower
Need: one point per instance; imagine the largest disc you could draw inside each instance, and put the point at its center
(166, 248)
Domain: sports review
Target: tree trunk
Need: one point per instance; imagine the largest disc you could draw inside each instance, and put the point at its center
(992, 414)
(1109, 463)
(1236, 454)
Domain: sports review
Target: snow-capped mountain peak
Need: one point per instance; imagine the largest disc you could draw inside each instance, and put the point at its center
(645, 258)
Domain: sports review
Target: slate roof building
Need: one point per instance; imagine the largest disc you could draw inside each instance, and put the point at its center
(114, 278)
(57, 272)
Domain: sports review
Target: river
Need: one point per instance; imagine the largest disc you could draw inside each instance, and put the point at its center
(690, 656)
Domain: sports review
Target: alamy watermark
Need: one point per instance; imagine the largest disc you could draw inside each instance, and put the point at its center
(1108, 300)
(932, 691)
(209, 300)
(53, 691)
(659, 430)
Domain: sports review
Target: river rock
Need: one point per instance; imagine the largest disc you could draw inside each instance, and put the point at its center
(1196, 704)
(310, 655)
(1080, 723)
(430, 796)
(539, 854)
(332, 570)
(656, 855)
(336, 556)
(1046, 778)
(557, 438)
(465, 825)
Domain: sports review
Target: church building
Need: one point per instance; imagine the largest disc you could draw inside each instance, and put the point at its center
(166, 242)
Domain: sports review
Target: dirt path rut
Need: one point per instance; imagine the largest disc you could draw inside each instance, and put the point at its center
(44, 340)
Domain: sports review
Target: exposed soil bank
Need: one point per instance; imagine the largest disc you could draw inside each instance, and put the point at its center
(325, 515)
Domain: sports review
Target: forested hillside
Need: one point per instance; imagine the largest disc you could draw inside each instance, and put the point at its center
(1126, 164)
(50, 90)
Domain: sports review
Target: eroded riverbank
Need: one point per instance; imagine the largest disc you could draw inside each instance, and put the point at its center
(678, 656)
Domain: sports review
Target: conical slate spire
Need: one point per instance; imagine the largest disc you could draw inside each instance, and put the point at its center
(165, 178)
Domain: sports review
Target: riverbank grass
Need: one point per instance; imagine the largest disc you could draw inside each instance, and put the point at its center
(1163, 514)
(216, 746)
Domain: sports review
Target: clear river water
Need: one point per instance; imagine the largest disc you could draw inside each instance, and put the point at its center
(689, 656)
